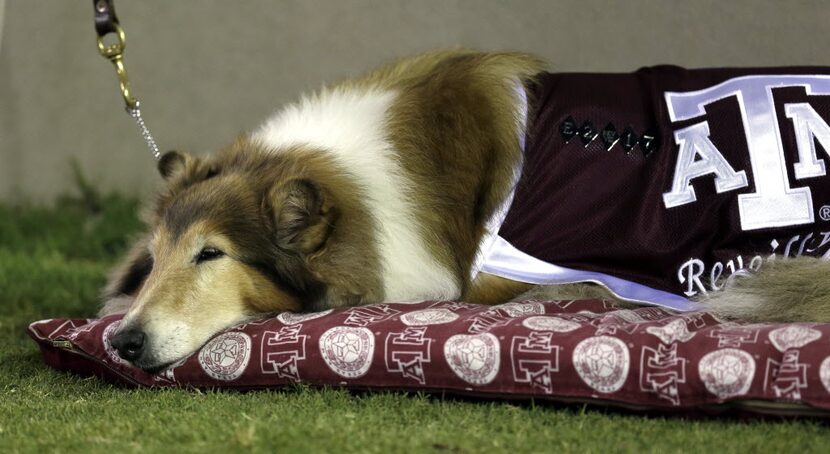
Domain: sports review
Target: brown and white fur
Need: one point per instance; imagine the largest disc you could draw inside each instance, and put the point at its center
(373, 189)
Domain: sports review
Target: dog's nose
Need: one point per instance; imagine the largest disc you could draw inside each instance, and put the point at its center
(129, 344)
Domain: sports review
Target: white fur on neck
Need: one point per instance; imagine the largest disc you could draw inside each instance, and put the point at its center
(351, 125)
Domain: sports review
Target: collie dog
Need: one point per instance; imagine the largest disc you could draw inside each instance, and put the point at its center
(389, 187)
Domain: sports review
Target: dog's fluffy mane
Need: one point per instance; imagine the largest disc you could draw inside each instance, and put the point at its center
(412, 160)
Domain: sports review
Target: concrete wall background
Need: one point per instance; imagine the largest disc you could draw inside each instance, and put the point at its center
(208, 70)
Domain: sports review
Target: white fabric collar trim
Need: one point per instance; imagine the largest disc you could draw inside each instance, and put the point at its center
(491, 233)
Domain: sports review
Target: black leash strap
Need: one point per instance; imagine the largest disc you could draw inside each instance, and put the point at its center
(105, 19)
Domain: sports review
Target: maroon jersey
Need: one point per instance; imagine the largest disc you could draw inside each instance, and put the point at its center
(665, 181)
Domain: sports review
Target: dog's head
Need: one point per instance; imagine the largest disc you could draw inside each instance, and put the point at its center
(228, 241)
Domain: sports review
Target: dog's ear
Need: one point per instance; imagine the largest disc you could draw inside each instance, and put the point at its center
(184, 168)
(173, 163)
(303, 215)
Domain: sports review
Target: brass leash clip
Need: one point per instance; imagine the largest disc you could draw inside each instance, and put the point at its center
(115, 54)
(106, 22)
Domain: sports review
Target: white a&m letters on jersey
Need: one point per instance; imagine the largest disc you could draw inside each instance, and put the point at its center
(774, 203)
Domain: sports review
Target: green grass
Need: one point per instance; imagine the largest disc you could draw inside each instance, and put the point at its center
(52, 262)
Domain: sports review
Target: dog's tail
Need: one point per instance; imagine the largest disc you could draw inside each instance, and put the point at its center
(783, 290)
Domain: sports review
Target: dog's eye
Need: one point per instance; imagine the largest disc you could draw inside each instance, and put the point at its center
(208, 253)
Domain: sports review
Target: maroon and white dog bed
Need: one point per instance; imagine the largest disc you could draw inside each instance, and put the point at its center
(571, 351)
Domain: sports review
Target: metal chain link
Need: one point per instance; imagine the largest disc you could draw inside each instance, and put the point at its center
(135, 112)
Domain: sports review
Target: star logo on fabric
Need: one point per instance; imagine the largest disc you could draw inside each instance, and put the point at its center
(226, 356)
(602, 362)
(727, 372)
(348, 350)
(474, 358)
(346, 347)
(225, 353)
(472, 355)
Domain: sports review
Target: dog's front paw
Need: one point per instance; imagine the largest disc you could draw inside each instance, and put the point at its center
(118, 305)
